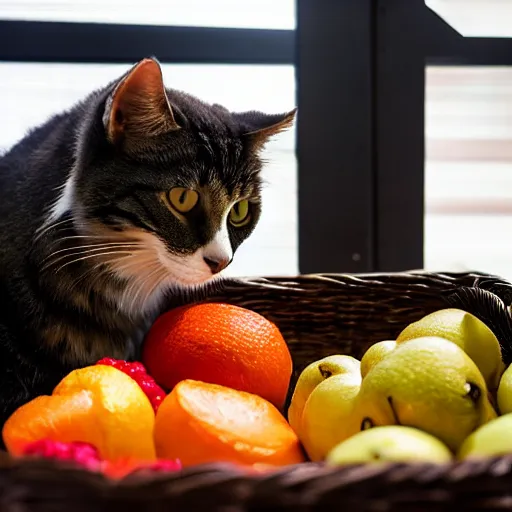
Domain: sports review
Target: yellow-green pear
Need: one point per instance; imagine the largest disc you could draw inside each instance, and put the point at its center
(310, 377)
(428, 383)
(505, 392)
(393, 443)
(376, 353)
(330, 414)
(469, 333)
(490, 440)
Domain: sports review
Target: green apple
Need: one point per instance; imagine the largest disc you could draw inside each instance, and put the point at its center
(376, 353)
(492, 439)
(428, 383)
(311, 377)
(390, 444)
(505, 392)
(330, 414)
(469, 333)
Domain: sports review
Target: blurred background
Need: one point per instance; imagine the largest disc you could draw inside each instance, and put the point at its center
(402, 154)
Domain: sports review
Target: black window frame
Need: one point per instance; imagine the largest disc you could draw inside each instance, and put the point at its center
(77, 42)
(401, 67)
(361, 71)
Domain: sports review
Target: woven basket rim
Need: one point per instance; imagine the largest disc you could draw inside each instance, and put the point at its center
(478, 483)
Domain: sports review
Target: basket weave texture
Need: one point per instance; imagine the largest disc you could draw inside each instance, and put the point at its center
(318, 315)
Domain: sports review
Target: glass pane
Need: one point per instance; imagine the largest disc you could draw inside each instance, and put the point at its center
(468, 172)
(32, 92)
(274, 14)
(476, 18)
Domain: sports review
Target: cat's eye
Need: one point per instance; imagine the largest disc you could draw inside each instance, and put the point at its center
(240, 214)
(183, 199)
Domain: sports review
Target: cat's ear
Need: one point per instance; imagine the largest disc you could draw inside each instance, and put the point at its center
(261, 127)
(138, 105)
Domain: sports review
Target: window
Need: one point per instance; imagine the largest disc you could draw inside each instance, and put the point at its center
(468, 172)
(396, 127)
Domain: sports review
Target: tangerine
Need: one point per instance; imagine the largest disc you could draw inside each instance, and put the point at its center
(200, 422)
(222, 344)
(99, 405)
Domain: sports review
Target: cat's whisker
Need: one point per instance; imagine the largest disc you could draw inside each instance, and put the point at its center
(44, 228)
(85, 239)
(128, 290)
(143, 255)
(62, 226)
(142, 287)
(95, 255)
(94, 269)
(159, 276)
(101, 237)
(127, 254)
(158, 280)
(100, 270)
(95, 239)
(53, 224)
(135, 281)
(153, 280)
(48, 262)
(146, 261)
(94, 247)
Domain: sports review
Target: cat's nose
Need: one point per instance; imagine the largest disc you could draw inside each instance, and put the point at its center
(218, 253)
(216, 264)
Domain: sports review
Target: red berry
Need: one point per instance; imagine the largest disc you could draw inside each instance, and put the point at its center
(110, 361)
(83, 454)
(137, 371)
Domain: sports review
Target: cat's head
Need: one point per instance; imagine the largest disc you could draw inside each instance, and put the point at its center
(176, 177)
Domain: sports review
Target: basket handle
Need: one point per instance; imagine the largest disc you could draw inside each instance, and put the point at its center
(489, 307)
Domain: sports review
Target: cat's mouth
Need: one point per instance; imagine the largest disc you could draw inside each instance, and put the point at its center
(187, 270)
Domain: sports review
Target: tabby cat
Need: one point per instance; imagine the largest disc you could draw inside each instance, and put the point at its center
(134, 193)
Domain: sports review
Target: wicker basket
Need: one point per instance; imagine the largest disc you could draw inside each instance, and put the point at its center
(318, 315)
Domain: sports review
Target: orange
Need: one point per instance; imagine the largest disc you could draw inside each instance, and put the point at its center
(221, 344)
(200, 422)
(99, 405)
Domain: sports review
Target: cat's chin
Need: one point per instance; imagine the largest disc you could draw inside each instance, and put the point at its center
(143, 297)
(179, 286)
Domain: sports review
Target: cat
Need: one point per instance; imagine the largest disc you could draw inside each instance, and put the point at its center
(137, 192)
